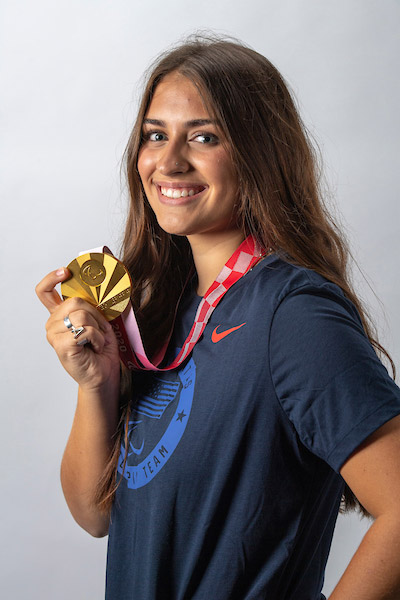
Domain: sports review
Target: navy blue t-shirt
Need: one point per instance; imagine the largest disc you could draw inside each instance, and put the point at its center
(231, 487)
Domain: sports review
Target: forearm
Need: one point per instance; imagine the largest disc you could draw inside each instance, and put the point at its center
(86, 455)
(374, 571)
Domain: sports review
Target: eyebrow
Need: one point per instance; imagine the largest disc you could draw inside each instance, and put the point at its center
(192, 123)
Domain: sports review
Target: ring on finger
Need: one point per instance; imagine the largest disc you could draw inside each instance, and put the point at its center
(75, 330)
(68, 323)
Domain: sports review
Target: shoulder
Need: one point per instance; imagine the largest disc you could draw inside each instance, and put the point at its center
(327, 376)
(313, 320)
(293, 289)
(277, 293)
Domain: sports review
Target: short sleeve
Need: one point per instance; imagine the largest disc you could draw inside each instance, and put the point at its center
(327, 377)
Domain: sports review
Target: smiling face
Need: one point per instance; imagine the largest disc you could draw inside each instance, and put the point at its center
(187, 173)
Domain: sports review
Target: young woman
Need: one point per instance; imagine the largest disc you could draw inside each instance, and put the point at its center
(221, 477)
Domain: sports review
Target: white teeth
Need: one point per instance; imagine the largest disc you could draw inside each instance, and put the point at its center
(178, 192)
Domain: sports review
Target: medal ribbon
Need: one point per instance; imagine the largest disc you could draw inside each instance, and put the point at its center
(131, 350)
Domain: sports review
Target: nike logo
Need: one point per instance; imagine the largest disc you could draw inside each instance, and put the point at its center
(216, 337)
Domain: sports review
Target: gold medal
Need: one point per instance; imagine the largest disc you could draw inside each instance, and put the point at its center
(101, 280)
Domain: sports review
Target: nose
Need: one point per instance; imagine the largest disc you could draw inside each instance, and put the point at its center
(172, 160)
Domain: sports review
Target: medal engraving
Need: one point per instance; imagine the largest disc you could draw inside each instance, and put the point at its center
(92, 272)
(101, 280)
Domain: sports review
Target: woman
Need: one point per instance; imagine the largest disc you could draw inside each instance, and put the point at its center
(230, 466)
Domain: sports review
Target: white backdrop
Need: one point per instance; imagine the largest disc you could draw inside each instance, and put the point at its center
(69, 74)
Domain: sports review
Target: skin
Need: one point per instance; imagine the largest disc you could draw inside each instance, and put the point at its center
(95, 367)
(208, 221)
(183, 147)
(372, 472)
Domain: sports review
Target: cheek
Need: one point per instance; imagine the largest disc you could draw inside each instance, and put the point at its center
(223, 168)
(144, 165)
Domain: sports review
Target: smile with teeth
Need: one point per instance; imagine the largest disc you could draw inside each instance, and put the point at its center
(180, 192)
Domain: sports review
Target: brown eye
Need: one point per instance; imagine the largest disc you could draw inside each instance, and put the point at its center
(206, 138)
(156, 136)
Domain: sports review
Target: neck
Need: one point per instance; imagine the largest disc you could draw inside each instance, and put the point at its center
(210, 253)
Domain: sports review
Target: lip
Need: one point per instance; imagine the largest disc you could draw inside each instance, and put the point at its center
(178, 201)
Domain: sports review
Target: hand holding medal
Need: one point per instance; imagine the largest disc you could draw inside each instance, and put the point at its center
(96, 289)
(101, 280)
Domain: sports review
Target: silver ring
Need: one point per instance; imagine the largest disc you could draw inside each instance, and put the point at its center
(75, 330)
(68, 323)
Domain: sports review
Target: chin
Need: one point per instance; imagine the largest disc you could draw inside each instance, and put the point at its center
(174, 228)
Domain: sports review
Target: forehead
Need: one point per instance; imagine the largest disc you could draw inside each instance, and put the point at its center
(176, 96)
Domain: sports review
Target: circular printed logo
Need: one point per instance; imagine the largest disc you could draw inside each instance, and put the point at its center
(92, 273)
(157, 425)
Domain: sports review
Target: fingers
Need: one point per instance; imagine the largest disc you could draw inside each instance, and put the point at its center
(66, 345)
(90, 335)
(85, 317)
(77, 318)
(80, 314)
(92, 355)
(45, 289)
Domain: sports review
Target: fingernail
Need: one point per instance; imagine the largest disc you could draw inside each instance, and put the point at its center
(82, 342)
(60, 272)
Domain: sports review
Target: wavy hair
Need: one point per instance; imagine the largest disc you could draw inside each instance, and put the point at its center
(279, 201)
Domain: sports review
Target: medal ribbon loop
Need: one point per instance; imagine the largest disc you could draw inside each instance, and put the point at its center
(131, 349)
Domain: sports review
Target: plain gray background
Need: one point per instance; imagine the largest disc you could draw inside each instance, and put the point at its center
(69, 81)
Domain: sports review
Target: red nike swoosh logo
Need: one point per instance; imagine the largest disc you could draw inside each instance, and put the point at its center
(216, 337)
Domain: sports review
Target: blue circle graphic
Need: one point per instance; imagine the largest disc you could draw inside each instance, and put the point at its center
(141, 474)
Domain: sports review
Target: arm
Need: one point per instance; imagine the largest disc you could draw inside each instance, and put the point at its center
(373, 474)
(95, 367)
(86, 455)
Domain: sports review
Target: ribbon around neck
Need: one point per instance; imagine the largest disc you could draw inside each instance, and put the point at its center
(131, 349)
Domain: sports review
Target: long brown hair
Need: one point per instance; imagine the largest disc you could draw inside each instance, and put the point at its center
(279, 201)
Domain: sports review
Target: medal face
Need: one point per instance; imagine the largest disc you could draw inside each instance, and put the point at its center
(101, 280)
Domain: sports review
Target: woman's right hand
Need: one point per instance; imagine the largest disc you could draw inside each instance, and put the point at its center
(93, 363)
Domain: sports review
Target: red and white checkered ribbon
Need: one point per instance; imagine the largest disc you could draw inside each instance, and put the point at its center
(131, 348)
